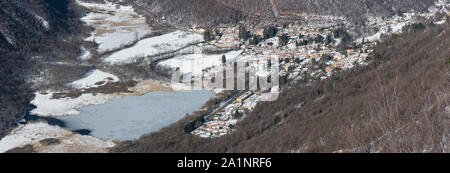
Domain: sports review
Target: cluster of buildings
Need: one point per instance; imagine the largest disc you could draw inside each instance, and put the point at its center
(221, 123)
(227, 38)
(318, 59)
(294, 61)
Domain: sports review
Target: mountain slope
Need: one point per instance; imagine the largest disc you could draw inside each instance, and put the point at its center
(351, 9)
(399, 103)
(25, 23)
(29, 30)
(188, 13)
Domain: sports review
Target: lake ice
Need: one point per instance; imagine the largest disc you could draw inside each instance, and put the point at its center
(130, 117)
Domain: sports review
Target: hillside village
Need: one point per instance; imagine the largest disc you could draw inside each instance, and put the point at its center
(125, 56)
(319, 59)
(305, 52)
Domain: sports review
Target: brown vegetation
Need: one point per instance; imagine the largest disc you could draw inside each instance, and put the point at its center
(109, 88)
(25, 149)
(50, 141)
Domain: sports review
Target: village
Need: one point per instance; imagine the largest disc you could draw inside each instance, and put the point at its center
(108, 58)
(304, 51)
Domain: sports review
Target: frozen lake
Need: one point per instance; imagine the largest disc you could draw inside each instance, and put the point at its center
(132, 116)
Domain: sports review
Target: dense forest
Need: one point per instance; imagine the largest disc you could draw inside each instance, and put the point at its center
(350, 9)
(187, 13)
(32, 32)
(204, 13)
(398, 103)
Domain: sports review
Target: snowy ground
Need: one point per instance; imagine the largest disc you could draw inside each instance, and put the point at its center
(195, 63)
(48, 107)
(394, 28)
(94, 78)
(115, 25)
(70, 142)
(84, 54)
(154, 46)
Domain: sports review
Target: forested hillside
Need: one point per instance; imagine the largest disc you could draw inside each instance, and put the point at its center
(188, 13)
(351, 9)
(212, 12)
(29, 30)
(398, 103)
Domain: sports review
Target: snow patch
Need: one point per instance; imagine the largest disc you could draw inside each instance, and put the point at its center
(394, 28)
(33, 133)
(94, 78)
(85, 54)
(195, 63)
(115, 25)
(154, 46)
(48, 107)
(439, 22)
(43, 22)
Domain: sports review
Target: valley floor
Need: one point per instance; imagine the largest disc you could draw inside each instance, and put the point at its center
(133, 59)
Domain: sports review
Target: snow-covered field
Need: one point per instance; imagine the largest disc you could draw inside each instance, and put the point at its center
(394, 28)
(195, 63)
(94, 78)
(154, 46)
(48, 107)
(115, 25)
(400, 22)
(70, 142)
